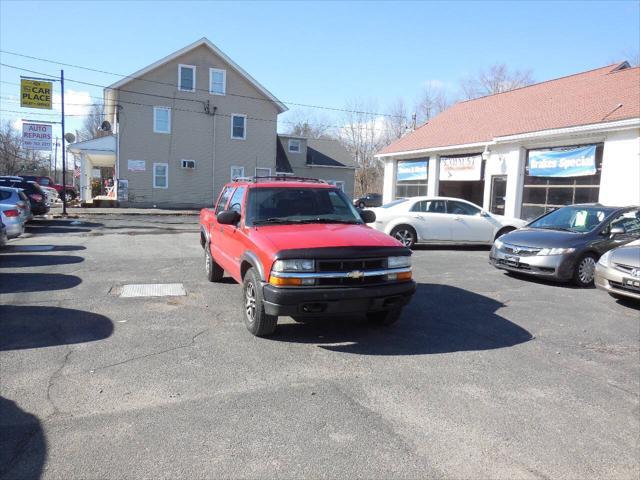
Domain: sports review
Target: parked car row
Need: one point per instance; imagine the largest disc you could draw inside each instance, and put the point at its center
(584, 244)
(20, 201)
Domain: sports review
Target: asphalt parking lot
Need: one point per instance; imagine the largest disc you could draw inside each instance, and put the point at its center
(485, 376)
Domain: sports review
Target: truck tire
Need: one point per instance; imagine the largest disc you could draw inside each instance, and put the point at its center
(385, 317)
(69, 195)
(212, 269)
(255, 318)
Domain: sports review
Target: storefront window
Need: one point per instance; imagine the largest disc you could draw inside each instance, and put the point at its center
(462, 176)
(555, 177)
(411, 178)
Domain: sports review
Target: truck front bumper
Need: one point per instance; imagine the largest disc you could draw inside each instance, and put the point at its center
(313, 301)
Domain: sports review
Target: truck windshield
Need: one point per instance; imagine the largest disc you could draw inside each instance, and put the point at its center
(267, 206)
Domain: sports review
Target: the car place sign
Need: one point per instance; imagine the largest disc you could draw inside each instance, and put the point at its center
(35, 93)
(37, 136)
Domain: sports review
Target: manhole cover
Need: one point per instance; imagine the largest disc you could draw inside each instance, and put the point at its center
(31, 248)
(153, 290)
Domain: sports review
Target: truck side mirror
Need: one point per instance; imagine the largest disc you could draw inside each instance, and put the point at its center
(367, 216)
(228, 217)
(615, 231)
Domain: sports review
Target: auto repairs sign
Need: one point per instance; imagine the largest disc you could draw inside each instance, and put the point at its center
(37, 136)
(575, 162)
(36, 93)
(461, 168)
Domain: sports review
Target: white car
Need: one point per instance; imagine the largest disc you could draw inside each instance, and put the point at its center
(441, 220)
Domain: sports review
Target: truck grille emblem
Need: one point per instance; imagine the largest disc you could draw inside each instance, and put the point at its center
(355, 274)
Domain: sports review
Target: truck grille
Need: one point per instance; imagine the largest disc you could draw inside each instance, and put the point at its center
(341, 265)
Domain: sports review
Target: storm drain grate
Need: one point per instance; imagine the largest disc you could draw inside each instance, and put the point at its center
(153, 290)
(31, 248)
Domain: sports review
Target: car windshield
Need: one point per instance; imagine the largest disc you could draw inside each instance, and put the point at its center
(577, 219)
(394, 203)
(299, 205)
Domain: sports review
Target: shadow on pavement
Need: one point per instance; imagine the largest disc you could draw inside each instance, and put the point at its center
(43, 227)
(542, 281)
(439, 319)
(35, 327)
(27, 260)
(462, 248)
(36, 282)
(23, 447)
(42, 248)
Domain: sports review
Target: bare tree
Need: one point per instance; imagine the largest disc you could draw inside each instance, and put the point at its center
(497, 78)
(432, 101)
(310, 130)
(14, 159)
(361, 135)
(92, 123)
(397, 122)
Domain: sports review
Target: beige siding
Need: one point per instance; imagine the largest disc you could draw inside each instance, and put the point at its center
(192, 136)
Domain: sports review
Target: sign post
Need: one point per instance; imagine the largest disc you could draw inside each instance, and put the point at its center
(64, 153)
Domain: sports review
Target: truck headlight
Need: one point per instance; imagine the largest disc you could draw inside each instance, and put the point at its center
(604, 259)
(399, 262)
(555, 251)
(302, 265)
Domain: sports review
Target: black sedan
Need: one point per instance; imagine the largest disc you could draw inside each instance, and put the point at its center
(566, 243)
(368, 200)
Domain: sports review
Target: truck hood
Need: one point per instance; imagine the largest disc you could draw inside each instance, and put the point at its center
(286, 237)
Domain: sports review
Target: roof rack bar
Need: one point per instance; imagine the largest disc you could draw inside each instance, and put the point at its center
(282, 178)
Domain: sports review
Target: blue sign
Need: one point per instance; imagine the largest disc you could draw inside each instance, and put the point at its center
(409, 170)
(578, 162)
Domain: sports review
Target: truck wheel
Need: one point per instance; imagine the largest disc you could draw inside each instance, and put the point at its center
(212, 269)
(69, 195)
(255, 318)
(385, 317)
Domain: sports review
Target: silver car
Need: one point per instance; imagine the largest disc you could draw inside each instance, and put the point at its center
(13, 222)
(618, 271)
(17, 197)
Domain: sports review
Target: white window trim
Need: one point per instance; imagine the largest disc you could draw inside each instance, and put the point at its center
(262, 168)
(187, 160)
(299, 145)
(237, 167)
(224, 80)
(180, 67)
(166, 165)
(244, 130)
(155, 109)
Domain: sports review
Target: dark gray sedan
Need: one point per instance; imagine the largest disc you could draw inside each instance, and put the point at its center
(566, 243)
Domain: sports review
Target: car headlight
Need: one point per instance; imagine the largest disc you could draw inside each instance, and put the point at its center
(399, 262)
(555, 251)
(302, 265)
(604, 259)
(498, 244)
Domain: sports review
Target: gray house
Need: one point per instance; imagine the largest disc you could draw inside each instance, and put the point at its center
(321, 158)
(183, 127)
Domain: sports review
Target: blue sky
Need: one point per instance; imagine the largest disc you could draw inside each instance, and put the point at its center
(321, 53)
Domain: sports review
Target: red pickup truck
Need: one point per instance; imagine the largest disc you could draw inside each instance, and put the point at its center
(69, 190)
(300, 248)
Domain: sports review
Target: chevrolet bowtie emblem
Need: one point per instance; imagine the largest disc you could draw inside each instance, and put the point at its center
(355, 274)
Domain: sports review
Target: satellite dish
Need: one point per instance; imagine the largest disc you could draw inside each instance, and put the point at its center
(106, 126)
(70, 137)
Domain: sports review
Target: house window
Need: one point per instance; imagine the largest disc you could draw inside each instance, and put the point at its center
(188, 164)
(238, 126)
(237, 172)
(294, 145)
(161, 120)
(160, 175)
(217, 81)
(187, 78)
(263, 172)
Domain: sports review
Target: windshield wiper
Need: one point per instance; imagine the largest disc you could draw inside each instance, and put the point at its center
(329, 220)
(274, 220)
(564, 229)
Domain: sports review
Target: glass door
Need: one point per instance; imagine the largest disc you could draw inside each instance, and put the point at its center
(498, 194)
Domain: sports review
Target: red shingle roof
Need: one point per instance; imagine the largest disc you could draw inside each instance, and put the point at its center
(580, 99)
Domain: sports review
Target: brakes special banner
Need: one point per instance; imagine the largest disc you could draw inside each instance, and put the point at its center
(411, 170)
(461, 168)
(577, 162)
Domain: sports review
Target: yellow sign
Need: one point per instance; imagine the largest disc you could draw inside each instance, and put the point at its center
(35, 93)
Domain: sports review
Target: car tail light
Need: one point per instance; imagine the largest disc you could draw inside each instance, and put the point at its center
(36, 197)
(12, 213)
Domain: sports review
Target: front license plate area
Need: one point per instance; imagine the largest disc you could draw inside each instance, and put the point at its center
(512, 260)
(631, 283)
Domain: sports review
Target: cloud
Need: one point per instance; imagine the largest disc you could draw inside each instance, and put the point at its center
(75, 102)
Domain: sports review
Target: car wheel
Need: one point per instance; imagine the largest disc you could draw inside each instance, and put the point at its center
(585, 270)
(255, 318)
(503, 231)
(69, 196)
(385, 317)
(405, 234)
(361, 205)
(212, 269)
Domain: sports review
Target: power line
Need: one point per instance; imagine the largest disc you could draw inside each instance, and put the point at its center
(197, 89)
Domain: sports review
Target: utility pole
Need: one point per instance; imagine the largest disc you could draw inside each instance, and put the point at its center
(55, 162)
(64, 155)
